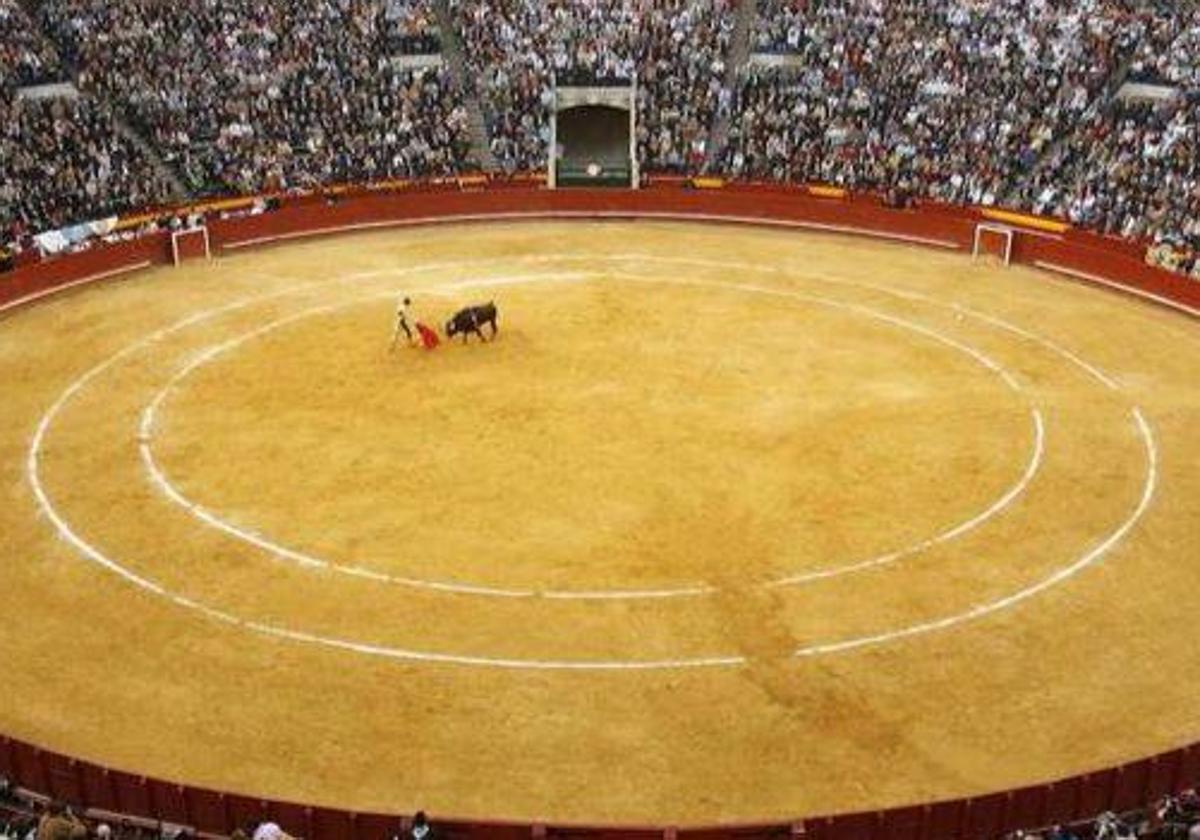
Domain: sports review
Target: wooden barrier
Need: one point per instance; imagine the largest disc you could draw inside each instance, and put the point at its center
(1083, 256)
(38, 280)
(313, 217)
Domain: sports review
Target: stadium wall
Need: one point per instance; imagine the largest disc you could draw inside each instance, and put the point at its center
(1086, 256)
(1110, 262)
(104, 792)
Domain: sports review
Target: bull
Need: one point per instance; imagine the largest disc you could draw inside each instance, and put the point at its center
(469, 320)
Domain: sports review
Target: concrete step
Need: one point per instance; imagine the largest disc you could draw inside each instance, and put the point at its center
(179, 192)
(67, 89)
(739, 54)
(464, 80)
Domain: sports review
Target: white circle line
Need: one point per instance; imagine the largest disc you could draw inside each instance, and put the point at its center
(945, 536)
(1093, 371)
(93, 553)
(163, 482)
(623, 665)
(1059, 576)
(168, 488)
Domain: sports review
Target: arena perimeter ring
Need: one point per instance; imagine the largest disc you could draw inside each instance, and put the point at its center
(727, 525)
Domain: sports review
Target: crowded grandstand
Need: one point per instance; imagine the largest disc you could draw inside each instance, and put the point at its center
(1083, 111)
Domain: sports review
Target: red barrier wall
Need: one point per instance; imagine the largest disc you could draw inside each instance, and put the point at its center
(305, 218)
(1102, 260)
(37, 280)
(1089, 257)
(1085, 256)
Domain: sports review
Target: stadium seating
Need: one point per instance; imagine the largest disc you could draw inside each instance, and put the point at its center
(676, 49)
(1007, 102)
(25, 57)
(245, 97)
(65, 161)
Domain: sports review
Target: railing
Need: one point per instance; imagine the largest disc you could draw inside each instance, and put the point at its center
(1082, 255)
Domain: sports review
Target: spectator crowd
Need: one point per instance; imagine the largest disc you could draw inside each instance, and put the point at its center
(62, 159)
(999, 102)
(1007, 102)
(250, 96)
(675, 48)
(1172, 818)
(952, 100)
(65, 161)
(25, 58)
(1132, 168)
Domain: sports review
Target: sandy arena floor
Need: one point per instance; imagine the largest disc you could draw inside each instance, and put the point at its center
(728, 524)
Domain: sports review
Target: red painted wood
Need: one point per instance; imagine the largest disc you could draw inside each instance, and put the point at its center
(1027, 807)
(8, 761)
(246, 812)
(1062, 801)
(1161, 781)
(98, 789)
(208, 811)
(28, 768)
(330, 824)
(1189, 768)
(377, 827)
(62, 778)
(169, 802)
(945, 820)
(903, 823)
(1131, 787)
(133, 795)
(986, 815)
(1096, 792)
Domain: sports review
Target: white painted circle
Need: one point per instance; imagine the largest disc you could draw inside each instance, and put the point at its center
(92, 553)
(209, 518)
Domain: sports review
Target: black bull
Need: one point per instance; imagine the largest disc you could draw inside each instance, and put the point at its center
(469, 320)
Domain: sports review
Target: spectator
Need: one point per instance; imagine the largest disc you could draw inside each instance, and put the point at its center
(420, 830)
(268, 830)
(1004, 102)
(58, 823)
